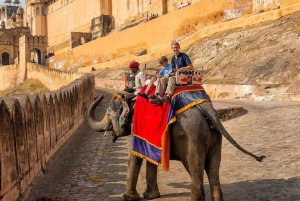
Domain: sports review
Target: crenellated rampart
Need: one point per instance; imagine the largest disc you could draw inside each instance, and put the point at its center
(34, 127)
(53, 79)
(34, 40)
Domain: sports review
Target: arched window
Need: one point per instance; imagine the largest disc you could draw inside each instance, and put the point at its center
(5, 58)
(36, 56)
(43, 11)
(37, 11)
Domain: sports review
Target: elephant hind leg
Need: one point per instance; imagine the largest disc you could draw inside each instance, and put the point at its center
(152, 191)
(127, 197)
(197, 188)
(195, 167)
(215, 187)
(212, 170)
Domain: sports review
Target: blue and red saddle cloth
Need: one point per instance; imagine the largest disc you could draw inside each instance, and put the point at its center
(150, 135)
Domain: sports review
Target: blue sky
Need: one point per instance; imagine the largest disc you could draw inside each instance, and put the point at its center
(22, 3)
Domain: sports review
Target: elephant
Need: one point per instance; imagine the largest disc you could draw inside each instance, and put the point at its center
(196, 142)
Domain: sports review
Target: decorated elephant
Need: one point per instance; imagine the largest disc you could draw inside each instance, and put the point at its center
(195, 141)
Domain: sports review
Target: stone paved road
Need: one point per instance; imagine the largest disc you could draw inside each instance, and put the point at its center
(90, 167)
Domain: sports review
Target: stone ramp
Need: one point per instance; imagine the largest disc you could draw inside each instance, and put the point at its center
(90, 167)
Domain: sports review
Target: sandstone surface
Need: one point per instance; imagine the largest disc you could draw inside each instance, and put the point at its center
(265, 54)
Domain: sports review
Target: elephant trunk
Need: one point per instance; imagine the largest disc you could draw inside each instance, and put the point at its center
(104, 125)
(210, 113)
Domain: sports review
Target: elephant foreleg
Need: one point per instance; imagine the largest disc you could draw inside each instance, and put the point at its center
(152, 191)
(134, 167)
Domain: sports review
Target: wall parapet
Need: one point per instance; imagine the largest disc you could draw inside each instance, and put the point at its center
(216, 91)
(213, 90)
(53, 79)
(8, 76)
(34, 127)
(8, 67)
(35, 39)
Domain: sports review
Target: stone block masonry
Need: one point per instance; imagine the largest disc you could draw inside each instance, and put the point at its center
(34, 127)
(8, 76)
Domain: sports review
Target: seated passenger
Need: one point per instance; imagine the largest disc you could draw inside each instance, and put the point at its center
(180, 61)
(164, 72)
(129, 81)
(184, 5)
(138, 77)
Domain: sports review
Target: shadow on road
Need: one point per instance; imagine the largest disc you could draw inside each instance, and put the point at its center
(258, 190)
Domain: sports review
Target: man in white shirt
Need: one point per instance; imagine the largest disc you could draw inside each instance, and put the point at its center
(139, 82)
(138, 76)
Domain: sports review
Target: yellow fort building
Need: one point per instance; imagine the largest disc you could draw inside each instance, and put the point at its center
(73, 35)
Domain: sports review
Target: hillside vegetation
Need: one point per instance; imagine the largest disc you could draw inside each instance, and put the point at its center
(265, 54)
(26, 87)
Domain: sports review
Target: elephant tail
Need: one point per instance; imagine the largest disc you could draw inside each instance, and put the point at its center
(211, 116)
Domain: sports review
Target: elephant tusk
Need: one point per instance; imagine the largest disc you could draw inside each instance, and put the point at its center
(115, 137)
(105, 133)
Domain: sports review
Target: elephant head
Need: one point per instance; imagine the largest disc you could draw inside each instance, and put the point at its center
(117, 118)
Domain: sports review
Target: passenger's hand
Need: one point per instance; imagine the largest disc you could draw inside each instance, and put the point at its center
(129, 90)
(178, 69)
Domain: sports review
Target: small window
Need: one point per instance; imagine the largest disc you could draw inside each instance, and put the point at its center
(5, 58)
(37, 11)
(43, 11)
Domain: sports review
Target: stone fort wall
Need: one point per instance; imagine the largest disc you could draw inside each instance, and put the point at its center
(200, 19)
(128, 12)
(216, 91)
(53, 79)
(8, 76)
(35, 126)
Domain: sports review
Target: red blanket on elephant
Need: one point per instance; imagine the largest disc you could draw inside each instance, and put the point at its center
(150, 135)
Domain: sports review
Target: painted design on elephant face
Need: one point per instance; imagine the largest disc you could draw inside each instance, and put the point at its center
(117, 119)
(124, 115)
(113, 116)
